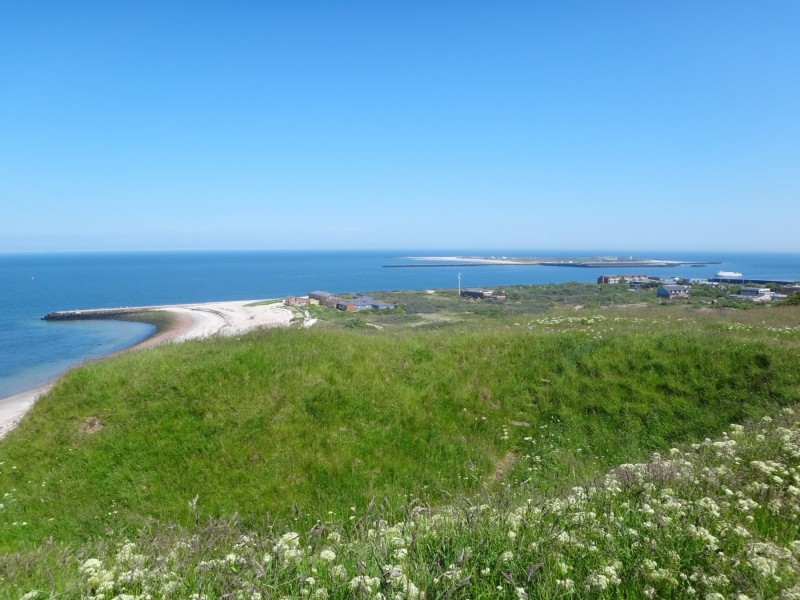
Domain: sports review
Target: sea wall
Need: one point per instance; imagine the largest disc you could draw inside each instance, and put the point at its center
(93, 314)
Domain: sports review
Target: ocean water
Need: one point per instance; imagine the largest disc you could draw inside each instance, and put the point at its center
(31, 285)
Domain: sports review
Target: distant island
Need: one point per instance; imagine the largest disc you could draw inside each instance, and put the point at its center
(586, 262)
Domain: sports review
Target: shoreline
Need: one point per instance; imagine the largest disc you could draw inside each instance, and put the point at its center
(596, 262)
(174, 323)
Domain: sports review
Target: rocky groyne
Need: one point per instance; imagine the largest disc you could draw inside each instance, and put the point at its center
(92, 314)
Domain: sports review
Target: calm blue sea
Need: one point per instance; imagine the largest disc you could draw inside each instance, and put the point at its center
(31, 285)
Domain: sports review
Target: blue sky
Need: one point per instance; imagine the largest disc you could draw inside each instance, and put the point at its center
(580, 125)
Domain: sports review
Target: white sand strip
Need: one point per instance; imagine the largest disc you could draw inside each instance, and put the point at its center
(13, 408)
(228, 318)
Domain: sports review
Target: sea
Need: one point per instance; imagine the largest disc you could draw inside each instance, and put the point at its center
(33, 351)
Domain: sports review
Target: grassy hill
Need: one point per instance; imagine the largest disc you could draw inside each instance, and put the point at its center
(296, 427)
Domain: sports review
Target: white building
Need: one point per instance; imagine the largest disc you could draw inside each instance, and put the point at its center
(753, 292)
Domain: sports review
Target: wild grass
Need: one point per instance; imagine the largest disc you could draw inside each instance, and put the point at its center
(299, 422)
(716, 519)
(441, 308)
(348, 429)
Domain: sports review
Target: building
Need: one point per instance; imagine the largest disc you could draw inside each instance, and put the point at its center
(363, 303)
(754, 292)
(613, 279)
(475, 293)
(296, 301)
(320, 296)
(324, 298)
(673, 291)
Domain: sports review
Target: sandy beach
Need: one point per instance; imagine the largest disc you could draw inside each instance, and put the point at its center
(192, 321)
(473, 260)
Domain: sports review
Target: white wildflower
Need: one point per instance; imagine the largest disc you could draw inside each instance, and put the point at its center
(327, 554)
(597, 581)
(567, 584)
(364, 583)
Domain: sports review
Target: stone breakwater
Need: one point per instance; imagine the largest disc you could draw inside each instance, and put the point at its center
(95, 313)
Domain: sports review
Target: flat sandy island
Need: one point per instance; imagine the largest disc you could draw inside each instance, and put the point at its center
(192, 321)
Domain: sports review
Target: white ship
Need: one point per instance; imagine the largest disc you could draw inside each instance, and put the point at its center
(728, 274)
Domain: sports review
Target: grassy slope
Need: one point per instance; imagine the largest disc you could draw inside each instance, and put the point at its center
(717, 519)
(329, 419)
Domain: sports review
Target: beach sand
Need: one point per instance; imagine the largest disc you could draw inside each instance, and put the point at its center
(191, 321)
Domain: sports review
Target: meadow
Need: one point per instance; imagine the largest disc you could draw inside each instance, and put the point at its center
(452, 449)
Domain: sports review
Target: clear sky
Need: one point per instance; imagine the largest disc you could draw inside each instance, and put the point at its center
(400, 124)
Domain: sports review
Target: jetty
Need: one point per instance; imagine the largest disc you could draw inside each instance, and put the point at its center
(740, 280)
(96, 313)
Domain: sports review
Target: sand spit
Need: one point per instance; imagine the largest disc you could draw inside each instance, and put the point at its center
(192, 321)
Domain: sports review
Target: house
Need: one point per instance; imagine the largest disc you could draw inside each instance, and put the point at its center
(475, 293)
(296, 301)
(673, 291)
(320, 296)
(754, 292)
(363, 303)
(324, 298)
(613, 279)
(670, 280)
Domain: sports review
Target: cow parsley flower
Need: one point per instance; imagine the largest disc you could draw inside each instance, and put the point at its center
(327, 554)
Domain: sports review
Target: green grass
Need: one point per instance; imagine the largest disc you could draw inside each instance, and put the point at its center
(371, 418)
(312, 421)
(265, 302)
(443, 307)
(717, 519)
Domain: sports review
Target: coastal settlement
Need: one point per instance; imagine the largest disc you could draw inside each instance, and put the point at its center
(676, 287)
